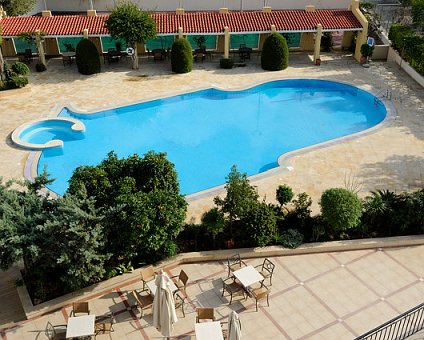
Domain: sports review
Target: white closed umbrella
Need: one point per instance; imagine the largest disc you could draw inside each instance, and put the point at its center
(164, 314)
(234, 329)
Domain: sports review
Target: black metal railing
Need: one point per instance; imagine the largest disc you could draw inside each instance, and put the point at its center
(398, 328)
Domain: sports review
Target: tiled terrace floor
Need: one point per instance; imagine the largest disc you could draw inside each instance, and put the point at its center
(318, 296)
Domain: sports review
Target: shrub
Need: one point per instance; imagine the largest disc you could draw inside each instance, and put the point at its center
(259, 225)
(340, 208)
(20, 69)
(87, 57)
(181, 56)
(367, 50)
(40, 67)
(226, 63)
(291, 238)
(397, 34)
(284, 194)
(275, 53)
(16, 82)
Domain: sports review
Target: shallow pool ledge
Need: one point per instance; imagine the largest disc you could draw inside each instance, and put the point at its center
(75, 125)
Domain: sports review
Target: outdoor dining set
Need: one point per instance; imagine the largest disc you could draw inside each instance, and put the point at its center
(164, 295)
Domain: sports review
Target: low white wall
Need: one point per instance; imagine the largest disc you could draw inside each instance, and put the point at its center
(191, 5)
(214, 255)
(380, 52)
(393, 56)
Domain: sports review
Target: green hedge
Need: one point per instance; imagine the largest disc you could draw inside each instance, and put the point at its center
(409, 45)
(87, 57)
(226, 63)
(181, 56)
(275, 53)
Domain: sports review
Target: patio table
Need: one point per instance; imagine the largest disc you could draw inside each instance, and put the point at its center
(210, 330)
(80, 326)
(247, 276)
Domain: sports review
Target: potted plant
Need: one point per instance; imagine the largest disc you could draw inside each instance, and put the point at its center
(366, 52)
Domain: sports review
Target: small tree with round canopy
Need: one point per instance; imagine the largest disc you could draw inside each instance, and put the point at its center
(132, 24)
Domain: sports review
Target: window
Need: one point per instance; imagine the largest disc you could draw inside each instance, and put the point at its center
(249, 40)
(162, 42)
(68, 44)
(210, 41)
(109, 42)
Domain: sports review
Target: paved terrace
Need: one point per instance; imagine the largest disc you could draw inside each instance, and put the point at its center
(319, 296)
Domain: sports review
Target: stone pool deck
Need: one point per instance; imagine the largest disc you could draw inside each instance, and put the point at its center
(389, 158)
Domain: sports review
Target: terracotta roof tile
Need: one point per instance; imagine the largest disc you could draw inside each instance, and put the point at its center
(191, 22)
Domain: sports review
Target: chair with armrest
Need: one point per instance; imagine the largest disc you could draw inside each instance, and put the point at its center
(181, 282)
(56, 332)
(80, 307)
(104, 324)
(267, 269)
(28, 55)
(179, 302)
(260, 294)
(147, 274)
(143, 301)
(233, 288)
(234, 263)
(205, 314)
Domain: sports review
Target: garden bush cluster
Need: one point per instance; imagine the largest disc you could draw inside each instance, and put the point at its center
(121, 212)
(409, 44)
(124, 213)
(15, 76)
(246, 221)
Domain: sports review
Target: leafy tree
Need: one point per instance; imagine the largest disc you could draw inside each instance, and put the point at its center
(181, 56)
(130, 23)
(17, 7)
(214, 223)
(240, 198)
(59, 240)
(275, 53)
(141, 199)
(260, 225)
(341, 208)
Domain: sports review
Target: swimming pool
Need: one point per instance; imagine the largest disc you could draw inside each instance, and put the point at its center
(205, 132)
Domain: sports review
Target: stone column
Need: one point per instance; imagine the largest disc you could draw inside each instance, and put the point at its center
(226, 42)
(85, 33)
(362, 35)
(273, 29)
(317, 46)
(40, 47)
(180, 32)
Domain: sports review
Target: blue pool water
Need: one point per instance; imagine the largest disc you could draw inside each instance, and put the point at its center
(205, 132)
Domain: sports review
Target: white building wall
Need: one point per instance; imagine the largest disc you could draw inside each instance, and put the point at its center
(191, 5)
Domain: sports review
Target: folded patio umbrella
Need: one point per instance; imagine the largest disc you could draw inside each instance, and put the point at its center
(234, 329)
(164, 314)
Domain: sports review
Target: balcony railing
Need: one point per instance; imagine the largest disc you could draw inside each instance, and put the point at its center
(398, 328)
